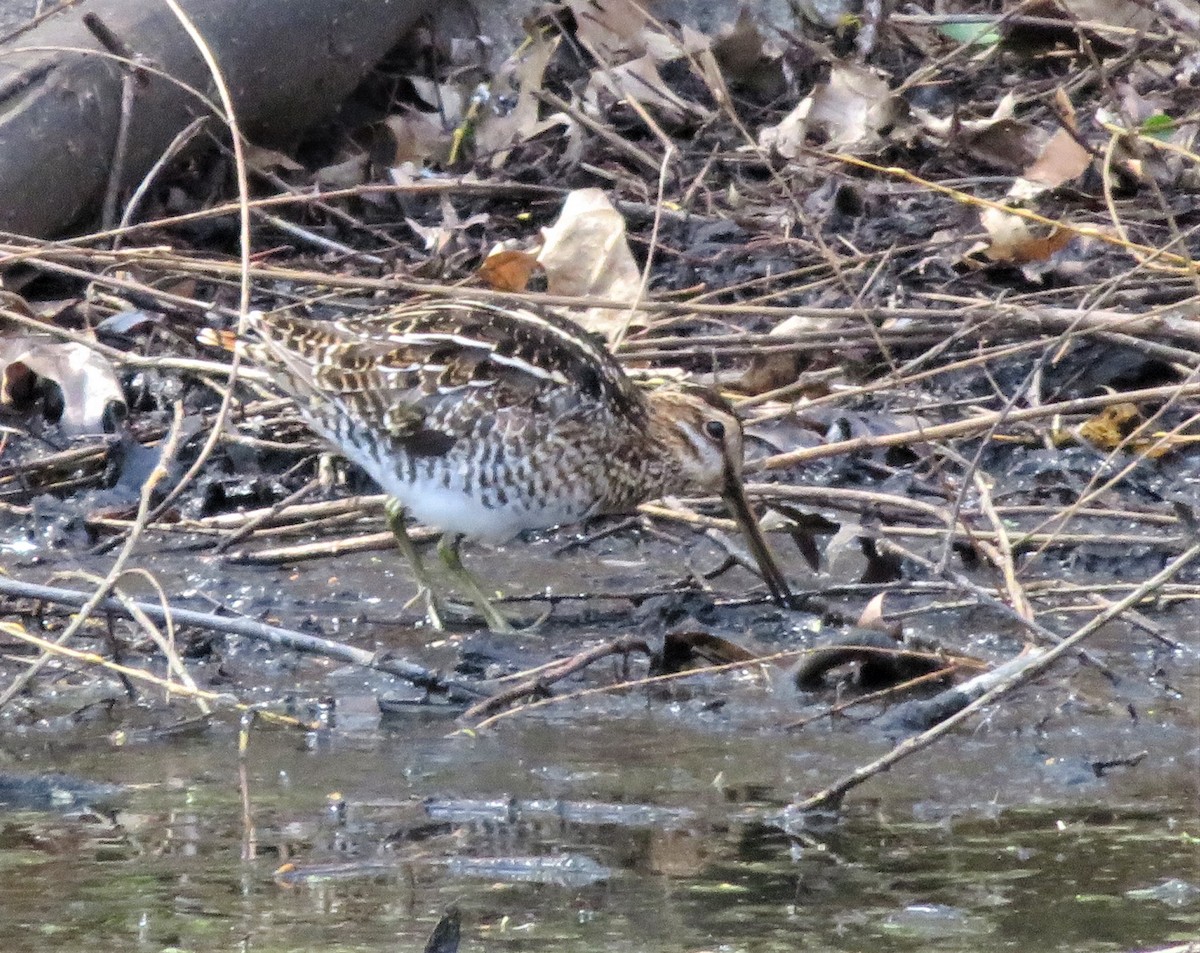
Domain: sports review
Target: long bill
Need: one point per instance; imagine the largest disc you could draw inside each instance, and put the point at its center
(734, 496)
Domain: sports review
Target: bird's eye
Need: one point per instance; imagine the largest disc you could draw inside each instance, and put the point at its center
(715, 429)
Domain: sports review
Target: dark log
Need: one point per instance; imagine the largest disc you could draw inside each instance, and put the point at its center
(288, 64)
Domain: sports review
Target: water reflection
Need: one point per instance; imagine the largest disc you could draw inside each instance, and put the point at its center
(639, 849)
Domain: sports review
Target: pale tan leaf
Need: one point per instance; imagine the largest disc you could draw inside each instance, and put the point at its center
(1063, 160)
(610, 29)
(851, 111)
(85, 379)
(270, 160)
(415, 137)
(639, 80)
(586, 252)
(519, 77)
(872, 615)
(344, 175)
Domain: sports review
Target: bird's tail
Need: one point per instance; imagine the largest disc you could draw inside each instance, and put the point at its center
(229, 341)
(225, 340)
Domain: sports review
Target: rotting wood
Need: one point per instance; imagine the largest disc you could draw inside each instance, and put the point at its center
(289, 63)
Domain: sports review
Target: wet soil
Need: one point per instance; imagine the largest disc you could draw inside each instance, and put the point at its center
(646, 819)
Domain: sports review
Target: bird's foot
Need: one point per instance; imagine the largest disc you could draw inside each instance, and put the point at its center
(433, 607)
(440, 613)
(495, 620)
(499, 623)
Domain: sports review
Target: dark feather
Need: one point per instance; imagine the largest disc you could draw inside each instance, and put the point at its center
(473, 343)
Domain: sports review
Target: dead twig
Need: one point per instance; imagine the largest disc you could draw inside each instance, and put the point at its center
(1030, 667)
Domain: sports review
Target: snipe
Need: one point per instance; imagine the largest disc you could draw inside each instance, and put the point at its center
(484, 420)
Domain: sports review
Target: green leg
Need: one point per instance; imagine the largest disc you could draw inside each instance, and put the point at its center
(433, 605)
(448, 551)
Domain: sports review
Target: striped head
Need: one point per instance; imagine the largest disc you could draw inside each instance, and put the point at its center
(700, 436)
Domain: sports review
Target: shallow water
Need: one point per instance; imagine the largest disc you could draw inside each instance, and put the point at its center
(981, 848)
(638, 822)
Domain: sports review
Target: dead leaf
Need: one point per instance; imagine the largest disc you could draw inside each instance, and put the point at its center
(768, 372)
(772, 370)
(747, 59)
(269, 160)
(14, 302)
(872, 615)
(1011, 238)
(1062, 160)
(611, 30)
(1001, 140)
(415, 137)
(1119, 13)
(851, 110)
(704, 64)
(438, 238)
(683, 649)
(84, 395)
(343, 175)
(446, 100)
(508, 269)
(640, 80)
(519, 78)
(1008, 144)
(943, 127)
(586, 253)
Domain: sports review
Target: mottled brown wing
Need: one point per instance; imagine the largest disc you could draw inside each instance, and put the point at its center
(419, 370)
(332, 373)
(467, 342)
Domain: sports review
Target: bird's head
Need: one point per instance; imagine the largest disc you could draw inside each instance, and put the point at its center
(702, 437)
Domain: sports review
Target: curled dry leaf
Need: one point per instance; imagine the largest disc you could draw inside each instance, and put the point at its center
(872, 615)
(1012, 239)
(748, 59)
(1000, 140)
(629, 48)
(1007, 145)
(520, 78)
(439, 238)
(640, 80)
(415, 137)
(91, 397)
(611, 30)
(943, 127)
(346, 174)
(586, 253)
(852, 110)
(508, 269)
(270, 160)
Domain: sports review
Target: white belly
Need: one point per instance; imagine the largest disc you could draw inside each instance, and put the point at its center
(459, 505)
(453, 509)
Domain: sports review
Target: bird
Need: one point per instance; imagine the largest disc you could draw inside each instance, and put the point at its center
(484, 418)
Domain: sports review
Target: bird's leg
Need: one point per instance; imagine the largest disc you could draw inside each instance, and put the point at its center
(448, 551)
(395, 520)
